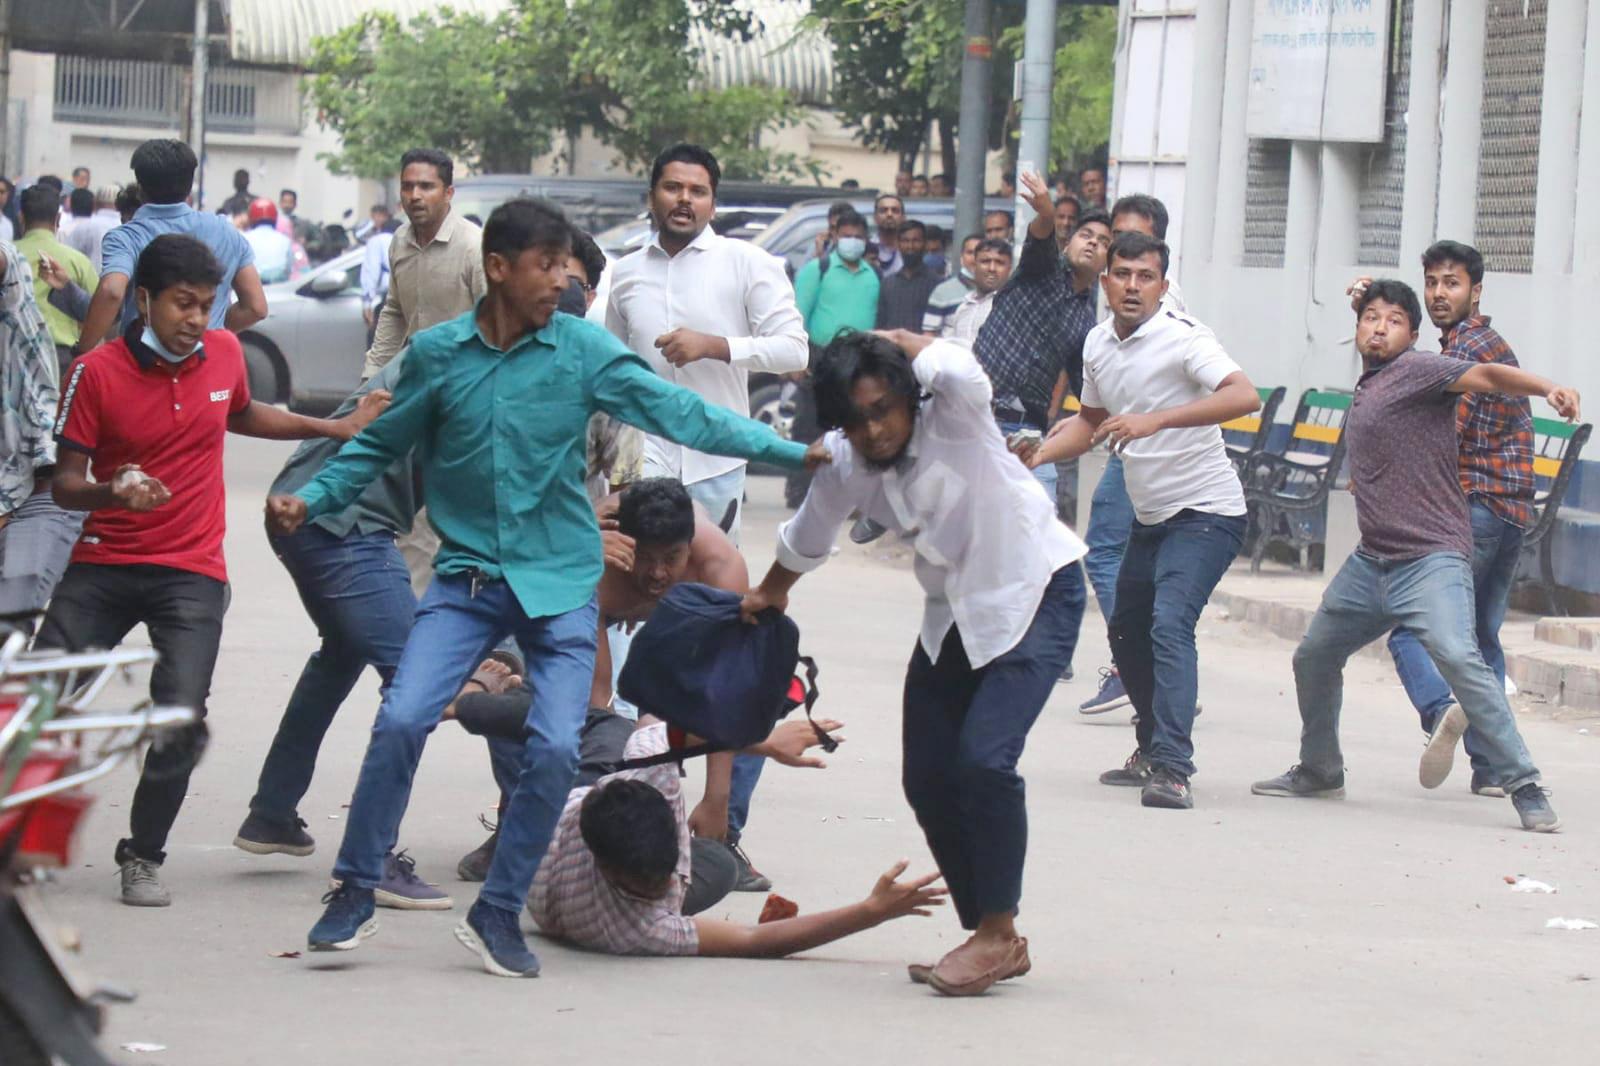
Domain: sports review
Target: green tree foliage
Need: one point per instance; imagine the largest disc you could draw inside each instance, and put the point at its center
(897, 68)
(497, 92)
(1081, 89)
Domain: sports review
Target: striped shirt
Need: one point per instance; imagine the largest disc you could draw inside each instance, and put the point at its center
(1496, 430)
(571, 900)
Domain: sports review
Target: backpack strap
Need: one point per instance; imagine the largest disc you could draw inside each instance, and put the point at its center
(810, 666)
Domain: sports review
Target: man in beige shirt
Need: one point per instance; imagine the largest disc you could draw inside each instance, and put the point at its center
(435, 261)
(435, 274)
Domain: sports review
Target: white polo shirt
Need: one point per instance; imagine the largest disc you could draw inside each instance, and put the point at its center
(1169, 361)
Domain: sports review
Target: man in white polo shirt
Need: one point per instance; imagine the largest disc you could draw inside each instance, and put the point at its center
(704, 310)
(1157, 384)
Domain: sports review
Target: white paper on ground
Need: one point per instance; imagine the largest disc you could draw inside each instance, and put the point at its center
(1570, 923)
(1528, 884)
(141, 1046)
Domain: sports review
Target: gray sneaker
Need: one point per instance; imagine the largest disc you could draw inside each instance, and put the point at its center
(402, 889)
(1302, 783)
(1533, 807)
(1482, 785)
(1440, 752)
(1135, 773)
(474, 865)
(750, 879)
(141, 884)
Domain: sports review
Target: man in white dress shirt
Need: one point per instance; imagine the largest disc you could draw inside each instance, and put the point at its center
(916, 449)
(705, 311)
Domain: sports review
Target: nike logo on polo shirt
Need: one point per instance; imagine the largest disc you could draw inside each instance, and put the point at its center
(220, 395)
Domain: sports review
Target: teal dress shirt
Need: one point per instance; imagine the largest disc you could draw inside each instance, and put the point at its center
(500, 439)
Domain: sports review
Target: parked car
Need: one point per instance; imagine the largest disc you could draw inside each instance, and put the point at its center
(792, 236)
(309, 350)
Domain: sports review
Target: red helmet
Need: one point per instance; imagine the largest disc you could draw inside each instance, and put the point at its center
(263, 210)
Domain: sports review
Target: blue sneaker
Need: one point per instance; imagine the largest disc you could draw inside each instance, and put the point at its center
(494, 934)
(1111, 695)
(346, 923)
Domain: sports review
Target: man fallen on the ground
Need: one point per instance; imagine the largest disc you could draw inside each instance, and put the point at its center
(624, 876)
(661, 538)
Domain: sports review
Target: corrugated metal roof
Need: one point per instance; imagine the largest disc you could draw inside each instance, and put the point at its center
(280, 32)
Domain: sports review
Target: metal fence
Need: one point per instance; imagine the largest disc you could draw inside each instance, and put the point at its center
(128, 92)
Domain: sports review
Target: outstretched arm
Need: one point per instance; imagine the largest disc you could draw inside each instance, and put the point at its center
(269, 423)
(890, 898)
(1514, 381)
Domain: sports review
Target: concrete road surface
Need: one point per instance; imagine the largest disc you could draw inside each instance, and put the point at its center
(1248, 930)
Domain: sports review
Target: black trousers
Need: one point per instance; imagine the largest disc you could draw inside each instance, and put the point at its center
(96, 606)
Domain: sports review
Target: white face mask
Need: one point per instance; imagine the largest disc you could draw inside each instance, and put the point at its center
(852, 249)
(153, 342)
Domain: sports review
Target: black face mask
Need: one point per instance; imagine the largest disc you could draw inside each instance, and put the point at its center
(911, 259)
(573, 300)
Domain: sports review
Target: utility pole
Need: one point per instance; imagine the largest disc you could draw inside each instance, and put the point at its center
(197, 99)
(5, 86)
(1038, 69)
(973, 132)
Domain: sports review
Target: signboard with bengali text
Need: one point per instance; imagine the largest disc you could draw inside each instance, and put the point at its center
(1318, 70)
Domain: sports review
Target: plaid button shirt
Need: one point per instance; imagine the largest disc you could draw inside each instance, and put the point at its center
(571, 900)
(1496, 430)
(1035, 331)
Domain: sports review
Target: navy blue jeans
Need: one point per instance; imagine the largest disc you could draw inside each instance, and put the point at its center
(1496, 549)
(452, 633)
(357, 591)
(1110, 521)
(1166, 578)
(963, 732)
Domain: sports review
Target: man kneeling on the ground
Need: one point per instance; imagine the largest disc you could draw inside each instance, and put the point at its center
(1412, 566)
(623, 875)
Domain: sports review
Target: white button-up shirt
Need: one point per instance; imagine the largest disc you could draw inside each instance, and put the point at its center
(719, 286)
(987, 538)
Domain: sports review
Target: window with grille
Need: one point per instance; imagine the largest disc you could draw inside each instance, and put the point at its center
(1508, 153)
(1266, 203)
(1383, 176)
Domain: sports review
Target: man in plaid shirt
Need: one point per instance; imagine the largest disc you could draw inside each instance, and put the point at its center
(1496, 434)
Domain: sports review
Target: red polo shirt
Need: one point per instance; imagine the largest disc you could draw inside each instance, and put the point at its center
(122, 403)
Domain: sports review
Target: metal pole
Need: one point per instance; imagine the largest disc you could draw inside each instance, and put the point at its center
(1038, 68)
(5, 87)
(197, 100)
(973, 131)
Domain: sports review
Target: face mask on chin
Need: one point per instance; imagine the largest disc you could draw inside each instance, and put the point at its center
(153, 342)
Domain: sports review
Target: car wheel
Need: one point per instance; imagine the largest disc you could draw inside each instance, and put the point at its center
(262, 373)
(767, 405)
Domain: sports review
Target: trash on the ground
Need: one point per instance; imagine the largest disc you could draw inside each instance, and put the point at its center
(1224, 614)
(333, 817)
(283, 954)
(1528, 884)
(1583, 732)
(776, 909)
(139, 1045)
(1511, 687)
(1573, 924)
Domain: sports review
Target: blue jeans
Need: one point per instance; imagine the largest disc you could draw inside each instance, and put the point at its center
(963, 731)
(1165, 580)
(1110, 521)
(1433, 598)
(1496, 550)
(452, 633)
(357, 591)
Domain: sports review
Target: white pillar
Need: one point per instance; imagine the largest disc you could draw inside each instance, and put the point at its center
(1233, 146)
(1557, 197)
(1419, 204)
(1339, 223)
(1205, 113)
(1305, 189)
(1586, 215)
(1462, 125)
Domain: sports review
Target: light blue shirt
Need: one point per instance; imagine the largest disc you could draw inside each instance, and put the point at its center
(119, 251)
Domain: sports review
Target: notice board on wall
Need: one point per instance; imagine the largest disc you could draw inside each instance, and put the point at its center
(1318, 70)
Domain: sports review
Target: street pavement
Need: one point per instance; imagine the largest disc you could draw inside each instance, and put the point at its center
(1249, 930)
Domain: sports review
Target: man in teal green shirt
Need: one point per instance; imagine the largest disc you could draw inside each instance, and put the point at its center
(843, 296)
(496, 404)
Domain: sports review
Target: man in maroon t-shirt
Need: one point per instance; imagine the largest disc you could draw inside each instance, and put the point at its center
(1413, 566)
(145, 415)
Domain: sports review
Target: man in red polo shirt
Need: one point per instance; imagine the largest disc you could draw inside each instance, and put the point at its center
(145, 415)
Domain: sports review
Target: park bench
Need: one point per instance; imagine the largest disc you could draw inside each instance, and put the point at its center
(1287, 492)
(1556, 447)
(1248, 436)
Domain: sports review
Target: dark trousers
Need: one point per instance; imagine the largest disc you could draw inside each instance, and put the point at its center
(712, 869)
(963, 732)
(95, 607)
(357, 591)
(1167, 575)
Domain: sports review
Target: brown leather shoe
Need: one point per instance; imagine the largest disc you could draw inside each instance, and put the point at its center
(972, 969)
